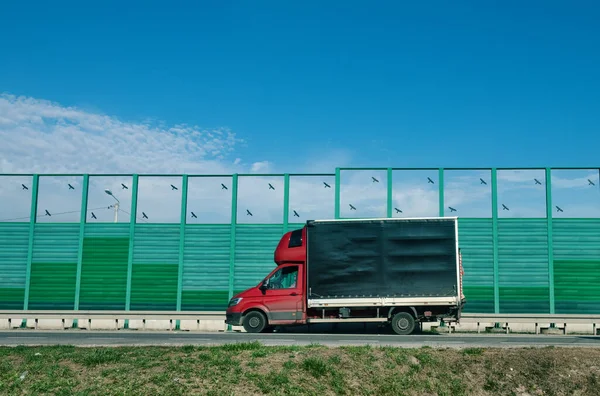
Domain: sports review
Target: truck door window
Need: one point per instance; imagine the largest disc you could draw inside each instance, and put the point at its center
(285, 278)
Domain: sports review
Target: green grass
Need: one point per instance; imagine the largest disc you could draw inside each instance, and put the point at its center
(251, 368)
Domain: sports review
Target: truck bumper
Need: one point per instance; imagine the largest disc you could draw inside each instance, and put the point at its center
(234, 318)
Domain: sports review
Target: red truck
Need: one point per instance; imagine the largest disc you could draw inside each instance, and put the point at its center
(392, 270)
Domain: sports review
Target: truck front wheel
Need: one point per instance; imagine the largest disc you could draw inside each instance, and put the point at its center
(403, 323)
(255, 322)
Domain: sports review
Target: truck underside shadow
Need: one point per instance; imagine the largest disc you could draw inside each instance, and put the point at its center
(343, 328)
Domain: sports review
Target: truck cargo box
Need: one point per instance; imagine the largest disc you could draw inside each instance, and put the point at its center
(383, 261)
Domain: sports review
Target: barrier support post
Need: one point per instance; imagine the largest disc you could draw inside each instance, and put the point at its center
(32, 221)
(182, 221)
(82, 221)
(232, 239)
(132, 223)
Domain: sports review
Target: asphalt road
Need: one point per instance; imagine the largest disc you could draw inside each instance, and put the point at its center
(175, 338)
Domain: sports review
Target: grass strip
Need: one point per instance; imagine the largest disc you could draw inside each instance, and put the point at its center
(254, 369)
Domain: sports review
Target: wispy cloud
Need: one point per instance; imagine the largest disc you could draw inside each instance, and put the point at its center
(45, 137)
(261, 167)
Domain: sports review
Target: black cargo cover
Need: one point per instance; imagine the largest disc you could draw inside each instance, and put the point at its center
(378, 258)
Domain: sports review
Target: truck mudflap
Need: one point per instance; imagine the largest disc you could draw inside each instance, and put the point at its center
(457, 312)
(453, 315)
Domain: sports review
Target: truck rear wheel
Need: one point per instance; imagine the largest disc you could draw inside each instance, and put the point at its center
(403, 323)
(255, 322)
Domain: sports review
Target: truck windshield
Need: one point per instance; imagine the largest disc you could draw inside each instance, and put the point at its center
(285, 278)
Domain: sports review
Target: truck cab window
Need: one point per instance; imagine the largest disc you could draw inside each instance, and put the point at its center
(285, 278)
(295, 239)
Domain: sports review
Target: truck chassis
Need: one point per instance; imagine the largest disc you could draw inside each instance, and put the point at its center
(403, 319)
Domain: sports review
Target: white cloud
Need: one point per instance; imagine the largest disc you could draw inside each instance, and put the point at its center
(579, 179)
(15, 201)
(44, 137)
(469, 192)
(324, 160)
(367, 195)
(311, 198)
(260, 167)
(39, 136)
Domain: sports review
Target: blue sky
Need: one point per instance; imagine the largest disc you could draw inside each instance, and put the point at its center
(302, 87)
(373, 84)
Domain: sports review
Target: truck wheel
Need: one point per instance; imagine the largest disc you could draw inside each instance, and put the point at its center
(255, 322)
(403, 323)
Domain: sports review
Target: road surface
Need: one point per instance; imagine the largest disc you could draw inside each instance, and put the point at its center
(176, 338)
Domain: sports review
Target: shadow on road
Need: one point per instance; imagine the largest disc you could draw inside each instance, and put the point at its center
(343, 328)
(592, 338)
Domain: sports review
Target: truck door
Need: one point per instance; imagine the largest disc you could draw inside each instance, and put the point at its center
(283, 295)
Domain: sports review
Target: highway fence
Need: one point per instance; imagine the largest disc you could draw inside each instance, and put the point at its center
(530, 237)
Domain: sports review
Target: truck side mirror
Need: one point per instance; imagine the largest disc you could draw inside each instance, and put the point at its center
(264, 285)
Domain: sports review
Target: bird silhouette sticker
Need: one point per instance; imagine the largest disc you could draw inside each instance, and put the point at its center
(482, 181)
(93, 216)
(144, 215)
(504, 207)
(124, 187)
(223, 187)
(271, 187)
(71, 187)
(430, 181)
(374, 180)
(537, 182)
(398, 210)
(451, 209)
(591, 183)
(173, 187)
(194, 215)
(24, 187)
(296, 214)
(326, 185)
(48, 213)
(248, 213)
(352, 207)
(559, 209)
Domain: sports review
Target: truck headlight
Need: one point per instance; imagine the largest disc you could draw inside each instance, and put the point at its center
(234, 301)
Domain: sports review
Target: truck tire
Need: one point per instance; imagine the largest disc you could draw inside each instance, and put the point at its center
(255, 322)
(403, 323)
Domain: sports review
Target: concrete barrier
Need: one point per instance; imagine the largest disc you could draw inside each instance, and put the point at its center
(208, 321)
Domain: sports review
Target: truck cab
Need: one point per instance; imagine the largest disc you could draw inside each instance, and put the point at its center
(279, 298)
